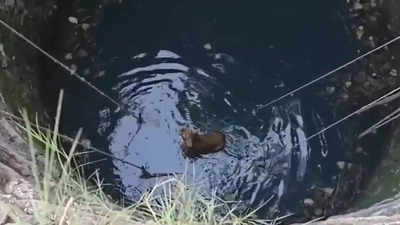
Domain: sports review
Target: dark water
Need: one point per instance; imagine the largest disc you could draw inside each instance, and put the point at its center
(207, 65)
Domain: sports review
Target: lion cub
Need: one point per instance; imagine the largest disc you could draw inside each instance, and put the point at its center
(194, 144)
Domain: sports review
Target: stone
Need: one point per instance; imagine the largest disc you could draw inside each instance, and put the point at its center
(73, 68)
(9, 3)
(73, 20)
(2, 52)
(371, 42)
(4, 62)
(386, 67)
(358, 6)
(328, 191)
(349, 166)
(82, 53)
(393, 73)
(360, 32)
(207, 46)
(360, 77)
(85, 26)
(3, 213)
(3, 57)
(330, 90)
(318, 211)
(86, 72)
(344, 96)
(101, 73)
(68, 56)
(308, 202)
(340, 164)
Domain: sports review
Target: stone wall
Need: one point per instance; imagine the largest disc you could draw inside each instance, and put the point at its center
(372, 22)
(19, 82)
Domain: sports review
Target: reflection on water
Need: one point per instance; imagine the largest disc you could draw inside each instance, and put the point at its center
(207, 65)
(170, 95)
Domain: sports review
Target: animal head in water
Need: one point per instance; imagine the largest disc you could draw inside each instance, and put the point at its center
(187, 136)
(194, 144)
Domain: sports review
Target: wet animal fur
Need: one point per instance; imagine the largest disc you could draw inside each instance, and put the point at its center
(194, 144)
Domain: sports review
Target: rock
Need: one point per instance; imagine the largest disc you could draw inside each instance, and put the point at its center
(358, 6)
(308, 202)
(340, 164)
(349, 166)
(4, 62)
(207, 46)
(359, 149)
(367, 84)
(371, 42)
(318, 211)
(86, 143)
(82, 53)
(328, 191)
(86, 72)
(101, 73)
(9, 3)
(360, 32)
(73, 20)
(393, 73)
(2, 52)
(360, 77)
(330, 90)
(3, 57)
(344, 96)
(373, 19)
(220, 67)
(386, 67)
(68, 56)
(224, 57)
(4, 210)
(85, 26)
(73, 68)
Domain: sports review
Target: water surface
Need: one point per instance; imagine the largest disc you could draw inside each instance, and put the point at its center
(207, 65)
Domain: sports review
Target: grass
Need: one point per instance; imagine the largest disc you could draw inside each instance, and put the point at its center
(65, 196)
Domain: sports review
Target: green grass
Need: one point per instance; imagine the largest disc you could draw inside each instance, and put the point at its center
(67, 197)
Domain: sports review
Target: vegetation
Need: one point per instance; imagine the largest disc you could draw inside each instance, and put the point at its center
(67, 197)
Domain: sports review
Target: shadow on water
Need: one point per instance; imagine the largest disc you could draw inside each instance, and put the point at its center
(207, 65)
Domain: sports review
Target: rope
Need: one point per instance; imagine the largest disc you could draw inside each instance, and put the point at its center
(259, 107)
(360, 110)
(145, 173)
(290, 93)
(58, 62)
(387, 119)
